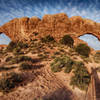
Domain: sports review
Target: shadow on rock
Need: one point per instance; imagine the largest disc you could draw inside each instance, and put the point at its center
(59, 94)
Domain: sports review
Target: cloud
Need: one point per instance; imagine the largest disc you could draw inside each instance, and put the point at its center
(15, 8)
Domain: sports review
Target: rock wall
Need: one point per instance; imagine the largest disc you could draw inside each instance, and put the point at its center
(24, 29)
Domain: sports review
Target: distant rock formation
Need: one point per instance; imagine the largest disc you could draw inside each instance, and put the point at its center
(24, 29)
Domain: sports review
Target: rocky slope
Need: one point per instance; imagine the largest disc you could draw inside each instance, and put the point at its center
(24, 29)
(40, 82)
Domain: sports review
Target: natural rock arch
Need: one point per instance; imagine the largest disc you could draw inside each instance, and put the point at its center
(22, 29)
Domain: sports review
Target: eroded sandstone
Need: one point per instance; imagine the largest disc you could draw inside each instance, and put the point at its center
(24, 29)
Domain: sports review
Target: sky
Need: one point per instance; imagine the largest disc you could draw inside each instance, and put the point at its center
(91, 40)
(10, 9)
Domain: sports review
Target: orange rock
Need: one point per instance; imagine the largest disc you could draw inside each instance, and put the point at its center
(57, 25)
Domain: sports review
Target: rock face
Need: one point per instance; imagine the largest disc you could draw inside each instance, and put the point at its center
(24, 29)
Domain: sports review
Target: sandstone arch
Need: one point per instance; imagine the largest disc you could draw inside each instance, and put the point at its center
(22, 29)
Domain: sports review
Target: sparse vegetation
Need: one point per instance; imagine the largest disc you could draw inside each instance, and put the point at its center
(83, 50)
(17, 46)
(59, 63)
(57, 53)
(9, 81)
(25, 66)
(3, 68)
(61, 56)
(98, 69)
(19, 59)
(43, 56)
(67, 40)
(69, 66)
(35, 33)
(9, 58)
(22, 45)
(48, 38)
(97, 57)
(17, 51)
(81, 78)
(86, 59)
(11, 46)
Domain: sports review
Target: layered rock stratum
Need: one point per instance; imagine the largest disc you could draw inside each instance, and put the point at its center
(57, 25)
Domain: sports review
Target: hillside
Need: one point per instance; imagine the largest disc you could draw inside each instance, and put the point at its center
(54, 64)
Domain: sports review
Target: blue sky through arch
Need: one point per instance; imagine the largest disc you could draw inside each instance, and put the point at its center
(4, 39)
(92, 41)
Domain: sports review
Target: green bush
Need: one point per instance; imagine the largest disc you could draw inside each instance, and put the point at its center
(43, 56)
(83, 50)
(25, 66)
(69, 66)
(81, 78)
(22, 45)
(98, 69)
(3, 68)
(59, 63)
(97, 57)
(9, 58)
(48, 38)
(18, 46)
(19, 59)
(11, 46)
(67, 40)
(57, 53)
(9, 81)
(17, 51)
(35, 33)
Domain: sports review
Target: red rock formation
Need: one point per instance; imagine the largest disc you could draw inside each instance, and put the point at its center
(21, 29)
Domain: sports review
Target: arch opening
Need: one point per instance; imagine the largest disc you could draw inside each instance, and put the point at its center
(92, 40)
(4, 39)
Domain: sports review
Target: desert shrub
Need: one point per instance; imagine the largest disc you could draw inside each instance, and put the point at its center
(19, 59)
(3, 68)
(11, 46)
(22, 45)
(48, 38)
(83, 49)
(17, 51)
(61, 50)
(9, 58)
(67, 40)
(98, 69)
(25, 66)
(9, 81)
(59, 63)
(1, 51)
(97, 57)
(35, 40)
(69, 66)
(81, 78)
(35, 33)
(57, 53)
(43, 56)
(86, 59)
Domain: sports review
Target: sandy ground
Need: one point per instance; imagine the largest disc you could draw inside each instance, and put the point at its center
(43, 83)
